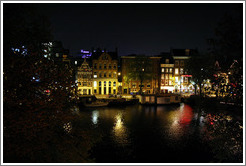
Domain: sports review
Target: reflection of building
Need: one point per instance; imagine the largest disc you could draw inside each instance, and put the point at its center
(105, 69)
(84, 77)
(150, 85)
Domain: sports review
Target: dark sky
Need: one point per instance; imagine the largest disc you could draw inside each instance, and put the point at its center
(134, 28)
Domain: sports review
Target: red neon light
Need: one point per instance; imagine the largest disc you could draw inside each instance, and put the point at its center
(186, 75)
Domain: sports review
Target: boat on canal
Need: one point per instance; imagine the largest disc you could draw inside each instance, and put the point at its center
(161, 99)
(96, 104)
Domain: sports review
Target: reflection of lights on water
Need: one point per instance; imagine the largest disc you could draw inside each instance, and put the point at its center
(95, 115)
(119, 130)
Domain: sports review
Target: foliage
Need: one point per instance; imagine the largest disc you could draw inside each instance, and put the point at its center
(140, 70)
(200, 67)
(37, 93)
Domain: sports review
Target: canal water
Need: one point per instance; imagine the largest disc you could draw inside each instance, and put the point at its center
(162, 134)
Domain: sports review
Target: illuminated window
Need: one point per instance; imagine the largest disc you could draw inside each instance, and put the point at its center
(170, 70)
(186, 79)
(176, 79)
(176, 71)
(170, 82)
(166, 70)
(95, 84)
(162, 70)
(109, 83)
(176, 63)
(170, 76)
(114, 84)
(181, 70)
(166, 76)
(105, 67)
(166, 82)
(105, 83)
(162, 76)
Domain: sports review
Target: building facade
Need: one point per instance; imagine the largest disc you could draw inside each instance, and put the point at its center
(182, 79)
(84, 78)
(167, 78)
(150, 85)
(105, 70)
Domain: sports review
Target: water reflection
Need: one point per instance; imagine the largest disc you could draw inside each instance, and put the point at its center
(94, 117)
(175, 120)
(119, 130)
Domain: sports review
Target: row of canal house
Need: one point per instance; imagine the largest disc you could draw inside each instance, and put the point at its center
(105, 73)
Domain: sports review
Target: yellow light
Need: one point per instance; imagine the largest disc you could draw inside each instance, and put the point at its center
(119, 74)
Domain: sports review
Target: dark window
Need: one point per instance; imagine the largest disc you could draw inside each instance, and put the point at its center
(105, 75)
(105, 67)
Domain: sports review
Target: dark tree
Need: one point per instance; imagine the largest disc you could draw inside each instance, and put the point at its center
(140, 70)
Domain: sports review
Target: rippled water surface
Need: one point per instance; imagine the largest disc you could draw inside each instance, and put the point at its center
(163, 134)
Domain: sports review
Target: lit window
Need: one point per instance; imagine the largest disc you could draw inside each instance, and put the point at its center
(176, 71)
(162, 70)
(170, 76)
(181, 70)
(170, 70)
(176, 79)
(166, 76)
(170, 82)
(166, 82)
(166, 70)
(162, 76)
(95, 84)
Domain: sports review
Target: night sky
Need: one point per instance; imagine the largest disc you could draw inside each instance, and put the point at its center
(134, 28)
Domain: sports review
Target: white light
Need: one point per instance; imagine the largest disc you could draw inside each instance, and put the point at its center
(95, 84)
(95, 76)
(45, 56)
(75, 62)
(33, 78)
